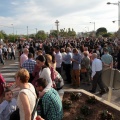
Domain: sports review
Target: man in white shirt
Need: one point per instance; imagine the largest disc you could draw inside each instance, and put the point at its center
(96, 74)
(58, 59)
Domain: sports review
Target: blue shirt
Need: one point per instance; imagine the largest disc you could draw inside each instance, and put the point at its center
(67, 58)
(76, 63)
(6, 108)
(107, 59)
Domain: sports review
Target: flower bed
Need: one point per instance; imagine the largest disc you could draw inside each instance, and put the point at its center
(79, 105)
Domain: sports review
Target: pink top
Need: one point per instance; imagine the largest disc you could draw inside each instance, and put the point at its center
(23, 58)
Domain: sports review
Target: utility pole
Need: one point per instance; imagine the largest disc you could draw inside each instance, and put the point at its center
(57, 24)
(27, 33)
(13, 32)
(36, 33)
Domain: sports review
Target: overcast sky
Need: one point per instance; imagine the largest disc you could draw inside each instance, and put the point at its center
(42, 14)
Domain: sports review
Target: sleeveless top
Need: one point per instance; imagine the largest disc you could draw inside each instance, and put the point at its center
(30, 92)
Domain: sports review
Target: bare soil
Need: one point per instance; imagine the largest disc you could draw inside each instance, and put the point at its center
(74, 111)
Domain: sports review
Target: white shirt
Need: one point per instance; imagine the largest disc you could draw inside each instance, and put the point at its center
(96, 66)
(58, 58)
(46, 74)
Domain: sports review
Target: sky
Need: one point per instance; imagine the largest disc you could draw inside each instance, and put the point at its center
(16, 15)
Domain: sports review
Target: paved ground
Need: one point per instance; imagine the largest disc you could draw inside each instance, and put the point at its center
(11, 66)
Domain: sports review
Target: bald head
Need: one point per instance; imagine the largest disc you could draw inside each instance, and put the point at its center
(25, 50)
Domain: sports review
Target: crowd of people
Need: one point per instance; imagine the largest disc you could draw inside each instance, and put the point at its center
(82, 60)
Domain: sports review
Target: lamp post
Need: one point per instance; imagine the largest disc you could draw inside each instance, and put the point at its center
(13, 32)
(27, 33)
(94, 25)
(118, 4)
(36, 33)
(57, 24)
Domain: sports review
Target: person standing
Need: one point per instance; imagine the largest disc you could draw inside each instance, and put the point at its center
(8, 106)
(26, 99)
(24, 56)
(32, 50)
(50, 103)
(1, 55)
(13, 52)
(58, 58)
(96, 74)
(68, 64)
(76, 61)
(107, 60)
(85, 64)
(29, 65)
(118, 60)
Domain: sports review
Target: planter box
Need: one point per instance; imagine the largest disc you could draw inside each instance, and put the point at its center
(101, 102)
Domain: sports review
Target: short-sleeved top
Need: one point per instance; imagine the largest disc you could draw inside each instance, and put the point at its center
(51, 106)
(30, 92)
(107, 59)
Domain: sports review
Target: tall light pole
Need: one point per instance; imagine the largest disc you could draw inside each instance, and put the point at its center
(94, 25)
(118, 4)
(36, 33)
(13, 32)
(57, 24)
(27, 33)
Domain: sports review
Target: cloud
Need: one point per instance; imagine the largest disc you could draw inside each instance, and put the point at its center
(42, 14)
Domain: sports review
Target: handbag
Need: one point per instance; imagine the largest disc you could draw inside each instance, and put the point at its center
(58, 81)
(83, 70)
(16, 116)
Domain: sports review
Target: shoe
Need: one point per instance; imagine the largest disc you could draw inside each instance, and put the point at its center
(91, 91)
(102, 92)
(107, 90)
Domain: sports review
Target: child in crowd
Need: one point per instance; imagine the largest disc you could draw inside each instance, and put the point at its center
(8, 105)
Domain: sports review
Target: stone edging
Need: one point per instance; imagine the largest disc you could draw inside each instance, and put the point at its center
(88, 93)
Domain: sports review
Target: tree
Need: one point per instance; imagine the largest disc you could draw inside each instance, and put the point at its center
(107, 35)
(41, 35)
(101, 31)
(53, 33)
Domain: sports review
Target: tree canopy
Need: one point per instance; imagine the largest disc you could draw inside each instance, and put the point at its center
(101, 31)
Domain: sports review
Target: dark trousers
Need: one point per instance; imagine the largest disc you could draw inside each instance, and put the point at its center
(97, 80)
(1, 59)
(31, 78)
(12, 55)
(68, 72)
(59, 70)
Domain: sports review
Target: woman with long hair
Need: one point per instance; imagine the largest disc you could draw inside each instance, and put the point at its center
(44, 72)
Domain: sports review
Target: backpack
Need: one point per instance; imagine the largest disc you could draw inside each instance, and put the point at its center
(57, 79)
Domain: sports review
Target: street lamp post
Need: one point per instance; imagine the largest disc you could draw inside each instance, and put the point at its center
(57, 24)
(118, 4)
(27, 32)
(13, 32)
(36, 33)
(94, 25)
